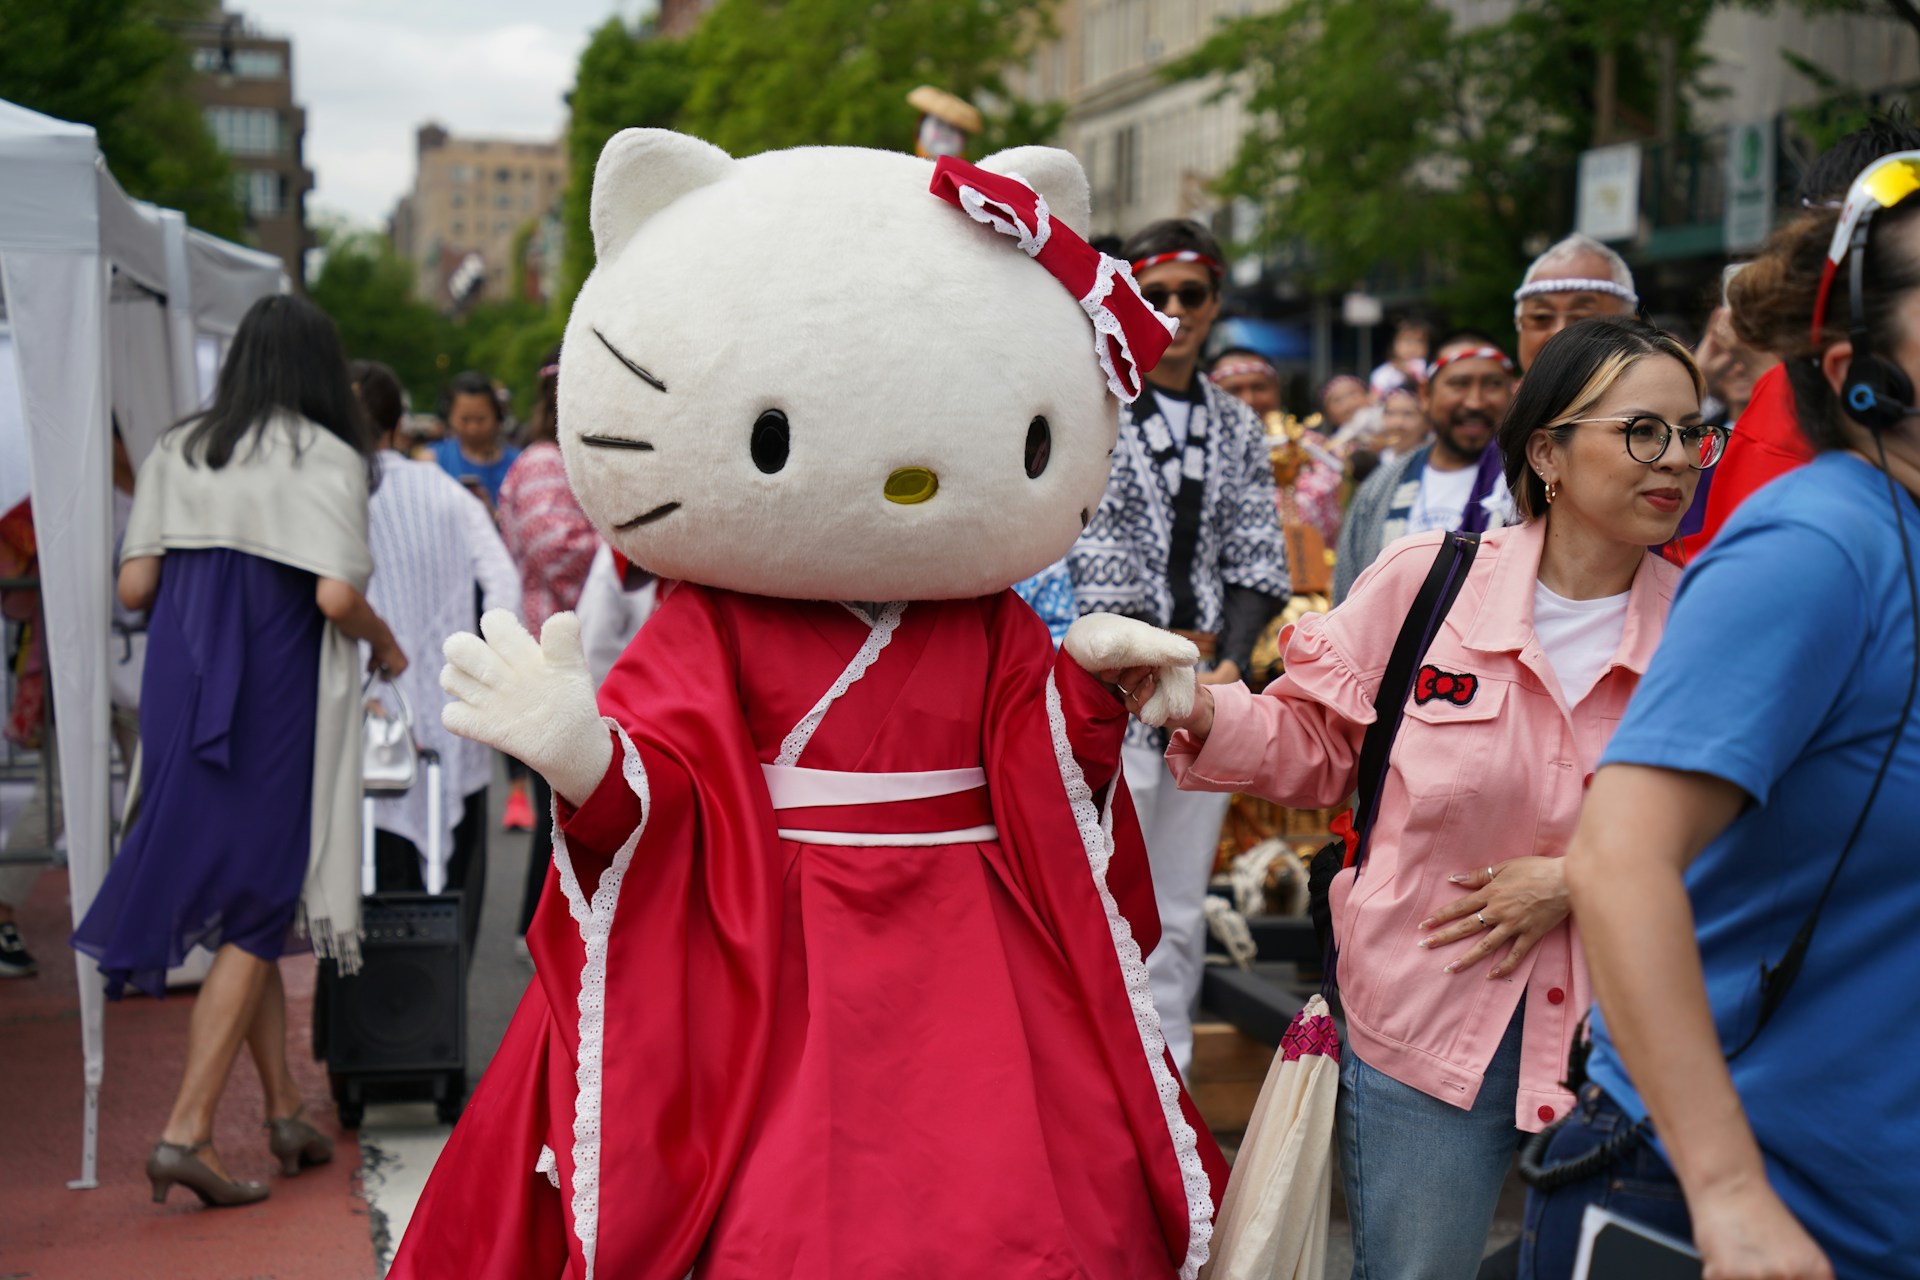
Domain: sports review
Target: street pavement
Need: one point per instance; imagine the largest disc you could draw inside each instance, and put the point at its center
(339, 1222)
(399, 1141)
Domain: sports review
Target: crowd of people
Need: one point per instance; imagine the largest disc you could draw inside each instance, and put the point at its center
(1657, 736)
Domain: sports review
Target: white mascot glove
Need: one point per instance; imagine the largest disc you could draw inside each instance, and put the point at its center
(1104, 642)
(532, 699)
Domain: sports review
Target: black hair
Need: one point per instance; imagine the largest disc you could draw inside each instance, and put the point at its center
(1245, 353)
(1573, 370)
(544, 422)
(1457, 336)
(1833, 171)
(285, 356)
(381, 394)
(1413, 324)
(472, 383)
(1173, 235)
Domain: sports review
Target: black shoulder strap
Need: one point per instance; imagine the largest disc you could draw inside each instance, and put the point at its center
(1429, 610)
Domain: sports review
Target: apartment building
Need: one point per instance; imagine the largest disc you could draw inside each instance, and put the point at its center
(245, 88)
(473, 200)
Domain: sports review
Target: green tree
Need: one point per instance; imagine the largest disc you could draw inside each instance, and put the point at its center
(1441, 149)
(368, 290)
(761, 74)
(118, 66)
(628, 78)
(507, 340)
(768, 73)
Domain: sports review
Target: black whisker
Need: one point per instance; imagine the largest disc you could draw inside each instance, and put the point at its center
(648, 517)
(643, 375)
(615, 442)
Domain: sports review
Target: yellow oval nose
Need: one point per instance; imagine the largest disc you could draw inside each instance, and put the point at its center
(912, 484)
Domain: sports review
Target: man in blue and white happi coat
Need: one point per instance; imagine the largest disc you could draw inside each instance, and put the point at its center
(1187, 538)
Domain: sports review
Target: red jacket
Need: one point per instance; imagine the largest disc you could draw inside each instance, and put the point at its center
(1766, 445)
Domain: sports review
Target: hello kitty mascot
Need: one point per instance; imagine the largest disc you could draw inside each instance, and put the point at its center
(840, 965)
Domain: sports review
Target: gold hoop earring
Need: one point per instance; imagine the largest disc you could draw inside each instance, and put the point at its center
(1553, 491)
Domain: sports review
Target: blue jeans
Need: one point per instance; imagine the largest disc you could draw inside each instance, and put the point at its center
(1638, 1185)
(1422, 1176)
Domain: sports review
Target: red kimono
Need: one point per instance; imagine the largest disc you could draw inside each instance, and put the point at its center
(840, 974)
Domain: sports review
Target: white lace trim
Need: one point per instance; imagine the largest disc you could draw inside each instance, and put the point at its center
(595, 920)
(882, 631)
(1004, 219)
(548, 1165)
(1096, 834)
(1106, 325)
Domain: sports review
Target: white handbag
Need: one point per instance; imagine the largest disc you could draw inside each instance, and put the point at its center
(391, 759)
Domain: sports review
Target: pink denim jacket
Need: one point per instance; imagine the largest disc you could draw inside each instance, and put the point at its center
(1480, 772)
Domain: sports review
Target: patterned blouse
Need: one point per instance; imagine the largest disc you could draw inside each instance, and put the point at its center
(550, 537)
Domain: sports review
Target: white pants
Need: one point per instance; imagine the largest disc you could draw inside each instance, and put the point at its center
(1182, 830)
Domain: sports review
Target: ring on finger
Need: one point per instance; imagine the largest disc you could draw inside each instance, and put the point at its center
(1484, 922)
(1489, 873)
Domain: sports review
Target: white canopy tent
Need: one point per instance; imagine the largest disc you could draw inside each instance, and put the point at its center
(110, 307)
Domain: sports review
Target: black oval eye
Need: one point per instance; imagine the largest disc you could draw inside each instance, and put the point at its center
(770, 441)
(1039, 447)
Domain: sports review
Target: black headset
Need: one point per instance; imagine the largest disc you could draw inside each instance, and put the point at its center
(1877, 393)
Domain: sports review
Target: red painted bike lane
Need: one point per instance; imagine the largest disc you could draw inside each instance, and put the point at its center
(313, 1226)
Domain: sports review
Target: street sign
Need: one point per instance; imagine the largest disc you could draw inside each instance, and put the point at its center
(1610, 192)
(1750, 182)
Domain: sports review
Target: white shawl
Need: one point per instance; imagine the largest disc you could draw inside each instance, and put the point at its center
(306, 508)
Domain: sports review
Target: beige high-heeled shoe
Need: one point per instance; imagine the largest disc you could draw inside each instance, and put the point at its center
(297, 1143)
(171, 1162)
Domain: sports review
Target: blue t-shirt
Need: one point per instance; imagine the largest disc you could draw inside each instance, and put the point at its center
(491, 475)
(1783, 670)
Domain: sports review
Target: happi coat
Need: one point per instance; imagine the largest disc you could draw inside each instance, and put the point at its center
(840, 973)
(1188, 534)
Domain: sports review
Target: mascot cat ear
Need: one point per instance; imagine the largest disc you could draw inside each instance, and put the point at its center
(1055, 174)
(641, 172)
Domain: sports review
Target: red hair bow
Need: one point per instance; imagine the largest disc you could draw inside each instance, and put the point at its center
(1129, 335)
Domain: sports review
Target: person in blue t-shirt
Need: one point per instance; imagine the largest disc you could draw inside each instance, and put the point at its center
(475, 450)
(1772, 750)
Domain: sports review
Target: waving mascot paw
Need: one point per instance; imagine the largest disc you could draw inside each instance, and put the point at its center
(532, 699)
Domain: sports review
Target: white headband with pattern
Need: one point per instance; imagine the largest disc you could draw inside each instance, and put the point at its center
(1576, 284)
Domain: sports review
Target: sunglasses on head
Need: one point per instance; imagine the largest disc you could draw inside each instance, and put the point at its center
(1192, 295)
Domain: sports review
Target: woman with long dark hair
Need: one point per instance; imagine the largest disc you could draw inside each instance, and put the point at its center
(1458, 969)
(248, 544)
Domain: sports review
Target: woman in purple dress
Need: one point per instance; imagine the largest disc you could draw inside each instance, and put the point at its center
(248, 543)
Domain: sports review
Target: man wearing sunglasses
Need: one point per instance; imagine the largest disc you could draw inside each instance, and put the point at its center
(1187, 538)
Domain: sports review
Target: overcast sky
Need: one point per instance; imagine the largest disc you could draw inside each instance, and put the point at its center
(369, 72)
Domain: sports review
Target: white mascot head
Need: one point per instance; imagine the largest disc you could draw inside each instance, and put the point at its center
(805, 375)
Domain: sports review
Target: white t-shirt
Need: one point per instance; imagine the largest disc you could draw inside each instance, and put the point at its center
(1443, 499)
(1580, 636)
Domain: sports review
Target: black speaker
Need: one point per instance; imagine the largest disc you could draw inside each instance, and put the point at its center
(402, 1019)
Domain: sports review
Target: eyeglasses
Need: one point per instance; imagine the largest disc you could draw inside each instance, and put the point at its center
(1647, 439)
(1192, 296)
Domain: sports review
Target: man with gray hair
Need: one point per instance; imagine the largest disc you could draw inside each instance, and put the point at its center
(1575, 279)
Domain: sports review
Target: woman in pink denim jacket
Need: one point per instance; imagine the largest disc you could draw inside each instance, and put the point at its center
(1460, 971)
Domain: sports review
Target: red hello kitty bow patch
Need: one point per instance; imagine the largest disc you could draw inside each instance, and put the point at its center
(1435, 683)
